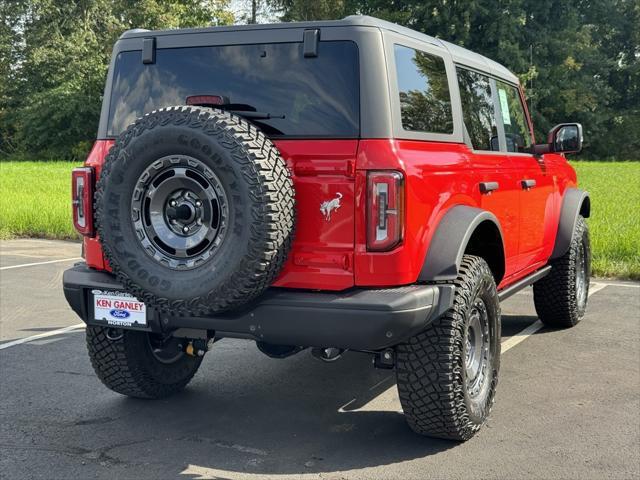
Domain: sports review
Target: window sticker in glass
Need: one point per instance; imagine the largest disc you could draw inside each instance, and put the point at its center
(514, 119)
(504, 106)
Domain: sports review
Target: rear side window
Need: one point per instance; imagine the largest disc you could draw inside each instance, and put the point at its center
(477, 110)
(516, 129)
(425, 102)
(317, 97)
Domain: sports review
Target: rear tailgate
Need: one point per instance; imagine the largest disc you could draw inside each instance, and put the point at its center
(324, 178)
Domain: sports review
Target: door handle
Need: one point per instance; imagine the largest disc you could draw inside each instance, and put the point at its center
(528, 183)
(488, 187)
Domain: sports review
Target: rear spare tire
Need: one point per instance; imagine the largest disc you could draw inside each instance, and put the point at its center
(195, 210)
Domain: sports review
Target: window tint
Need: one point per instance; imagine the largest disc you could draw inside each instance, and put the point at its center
(478, 110)
(513, 118)
(318, 97)
(425, 103)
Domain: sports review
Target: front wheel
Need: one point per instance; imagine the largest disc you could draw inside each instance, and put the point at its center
(561, 297)
(447, 374)
(139, 364)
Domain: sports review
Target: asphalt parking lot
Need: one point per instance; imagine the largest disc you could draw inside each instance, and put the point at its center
(568, 402)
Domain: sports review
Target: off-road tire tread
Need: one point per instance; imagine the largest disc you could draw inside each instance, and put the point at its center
(555, 294)
(429, 366)
(272, 229)
(119, 366)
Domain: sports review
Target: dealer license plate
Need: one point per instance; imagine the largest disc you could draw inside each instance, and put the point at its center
(118, 308)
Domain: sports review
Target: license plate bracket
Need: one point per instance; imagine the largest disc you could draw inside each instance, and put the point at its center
(118, 309)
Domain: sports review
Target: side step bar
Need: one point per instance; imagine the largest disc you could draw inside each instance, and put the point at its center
(523, 283)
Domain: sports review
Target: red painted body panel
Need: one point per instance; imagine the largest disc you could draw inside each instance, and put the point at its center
(322, 253)
(442, 175)
(97, 155)
(93, 254)
(434, 181)
(504, 202)
(331, 254)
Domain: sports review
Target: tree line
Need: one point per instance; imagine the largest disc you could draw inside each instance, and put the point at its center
(578, 59)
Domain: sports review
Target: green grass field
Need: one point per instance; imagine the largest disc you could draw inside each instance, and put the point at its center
(35, 202)
(615, 216)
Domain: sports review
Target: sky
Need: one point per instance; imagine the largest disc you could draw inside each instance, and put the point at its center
(242, 9)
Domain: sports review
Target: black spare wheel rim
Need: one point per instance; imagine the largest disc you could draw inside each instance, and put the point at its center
(194, 210)
(180, 211)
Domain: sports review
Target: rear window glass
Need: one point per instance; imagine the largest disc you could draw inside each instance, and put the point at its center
(425, 102)
(318, 97)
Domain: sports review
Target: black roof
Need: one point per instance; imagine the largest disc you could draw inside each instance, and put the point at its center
(459, 54)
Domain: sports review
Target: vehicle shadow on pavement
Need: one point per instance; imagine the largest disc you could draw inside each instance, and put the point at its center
(265, 416)
(513, 324)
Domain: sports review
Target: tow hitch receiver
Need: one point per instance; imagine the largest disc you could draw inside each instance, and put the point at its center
(194, 343)
(197, 347)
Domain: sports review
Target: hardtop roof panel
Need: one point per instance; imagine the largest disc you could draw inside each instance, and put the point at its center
(459, 54)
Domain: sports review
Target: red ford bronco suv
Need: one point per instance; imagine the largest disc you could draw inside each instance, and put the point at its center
(338, 185)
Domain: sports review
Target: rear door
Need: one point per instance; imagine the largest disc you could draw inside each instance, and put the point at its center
(493, 175)
(535, 181)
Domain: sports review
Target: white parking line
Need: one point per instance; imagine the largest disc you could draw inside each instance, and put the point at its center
(607, 284)
(522, 335)
(40, 263)
(388, 400)
(51, 333)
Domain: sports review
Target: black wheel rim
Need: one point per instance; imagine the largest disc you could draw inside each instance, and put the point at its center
(477, 345)
(165, 350)
(582, 285)
(180, 212)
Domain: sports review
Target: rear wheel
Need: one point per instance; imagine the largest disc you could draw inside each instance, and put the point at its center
(447, 375)
(561, 297)
(139, 364)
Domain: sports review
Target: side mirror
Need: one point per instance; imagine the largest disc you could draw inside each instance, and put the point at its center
(563, 138)
(566, 138)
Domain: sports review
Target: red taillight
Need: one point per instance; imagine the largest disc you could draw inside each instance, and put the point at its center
(385, 211)
(82, 200)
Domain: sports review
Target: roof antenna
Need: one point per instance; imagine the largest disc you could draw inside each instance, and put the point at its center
(531, 80)
(254, 9)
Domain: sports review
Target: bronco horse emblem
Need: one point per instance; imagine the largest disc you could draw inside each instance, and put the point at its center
(329, 206)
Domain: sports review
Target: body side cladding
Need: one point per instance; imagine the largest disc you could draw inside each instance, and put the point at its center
(454, 234)
(576, 202)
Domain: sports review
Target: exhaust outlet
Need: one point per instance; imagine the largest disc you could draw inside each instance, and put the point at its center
(278, 351)
(327, 354)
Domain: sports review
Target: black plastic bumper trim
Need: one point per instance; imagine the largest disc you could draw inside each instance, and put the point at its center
(357, 319)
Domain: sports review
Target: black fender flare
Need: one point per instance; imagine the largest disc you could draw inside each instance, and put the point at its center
(575, 202)
(450, 241)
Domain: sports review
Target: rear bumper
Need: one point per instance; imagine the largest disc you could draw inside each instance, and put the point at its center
(357, 319)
